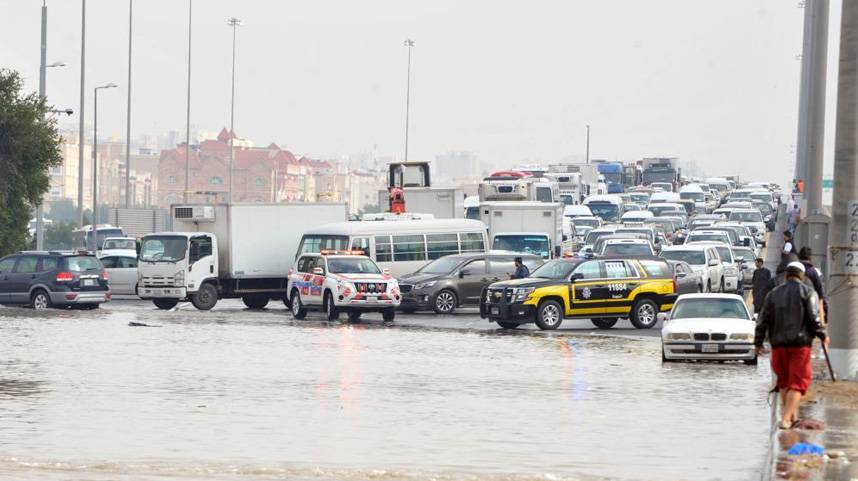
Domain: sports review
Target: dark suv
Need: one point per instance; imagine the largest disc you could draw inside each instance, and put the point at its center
(59, 279)
(455, 280)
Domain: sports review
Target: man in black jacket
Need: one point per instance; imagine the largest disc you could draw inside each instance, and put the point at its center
(790, 320)
(812, 274)
(760, 284)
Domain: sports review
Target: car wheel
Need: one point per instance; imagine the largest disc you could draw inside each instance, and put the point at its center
(389, 314)
(164, 303)
(205, 298)
(298, 310)
(507, 325)
(644, 314)
(699, 288)
(605, 323)
(445, 302)
(40, 300)
(331, 311)
(723, 288)
(751, 362)
(709, 286)
(549, 315)
(354, 316)
(255, 301)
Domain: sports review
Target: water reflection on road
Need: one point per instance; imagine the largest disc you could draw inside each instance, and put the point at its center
(235, 394)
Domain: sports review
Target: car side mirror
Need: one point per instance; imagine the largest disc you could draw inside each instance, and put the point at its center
(385, 271)
(318, 271)
(576, 276)
(713, 262)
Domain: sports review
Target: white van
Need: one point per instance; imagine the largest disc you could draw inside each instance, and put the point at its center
(609, 207)
(403, 246)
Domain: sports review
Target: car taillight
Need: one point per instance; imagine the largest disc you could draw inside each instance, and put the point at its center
(65, 277)
(104, 276)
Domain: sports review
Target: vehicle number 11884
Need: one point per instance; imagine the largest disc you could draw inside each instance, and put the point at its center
(616, 287)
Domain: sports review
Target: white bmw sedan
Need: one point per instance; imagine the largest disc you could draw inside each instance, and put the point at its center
(714, 327)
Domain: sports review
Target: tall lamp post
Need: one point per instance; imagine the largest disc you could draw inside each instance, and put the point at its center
(234, 23)
(81, 141)
(128, 112)
(408, 44)
(188, 112)
(588, 144)
(95, 163)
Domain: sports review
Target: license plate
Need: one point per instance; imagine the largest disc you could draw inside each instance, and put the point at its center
(371, 298)
(88, 282)
(709, 348)
(495, 310)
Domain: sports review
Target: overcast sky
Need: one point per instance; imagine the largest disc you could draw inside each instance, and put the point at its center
(712, 81)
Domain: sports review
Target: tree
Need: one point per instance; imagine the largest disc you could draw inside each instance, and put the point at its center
(59, 236)
(29, 145)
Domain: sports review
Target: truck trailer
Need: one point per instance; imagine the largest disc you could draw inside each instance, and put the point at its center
(526, 227)
(227, 251)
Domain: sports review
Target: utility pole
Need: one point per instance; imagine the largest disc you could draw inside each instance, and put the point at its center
(95, 164)
(234, 23)
(188, 113)
(843, 269)
(588, 144)
(408, 43)
(128, 113)
(40, 211)
(811, 134)
(81, 141)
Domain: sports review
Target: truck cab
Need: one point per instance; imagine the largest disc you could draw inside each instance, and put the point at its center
(176, 266)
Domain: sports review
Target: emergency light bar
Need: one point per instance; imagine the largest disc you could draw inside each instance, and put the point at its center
(327, 252)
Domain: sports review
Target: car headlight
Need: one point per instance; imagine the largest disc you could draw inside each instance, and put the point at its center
(679, 336)
(731, 271)
(343, 285)
(519, 294)
(742, 336)
(179, 279)
(422, 285)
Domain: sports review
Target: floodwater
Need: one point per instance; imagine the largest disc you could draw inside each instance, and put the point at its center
(238, 395)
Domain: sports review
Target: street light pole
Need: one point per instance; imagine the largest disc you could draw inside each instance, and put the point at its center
(81, 141)
(40, 211)
(128, 113)
(408, 43)
(588, 144)
(234, 23)
(188, 112)
(95, 164)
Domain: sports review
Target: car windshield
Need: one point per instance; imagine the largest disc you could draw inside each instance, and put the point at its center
(712, 308)
(444, 265)
(607, 212)
(725, 254)
(730, 233)
(695, 196)
(659, 209)
(526, 244)
(746, 254)
(579, 221)
(764, 196)
(163, 248)
(639, 198)
(627, 250)
(694, 258)
(746, 216)
(82, 263)
(700, 223)
(120, 244)
(556, 269)
(695, 237)
(593, 236)
(646, 232)
(354, 265)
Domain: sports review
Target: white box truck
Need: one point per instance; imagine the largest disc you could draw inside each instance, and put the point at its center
(525, 227)
(227, 251)
(441, 202)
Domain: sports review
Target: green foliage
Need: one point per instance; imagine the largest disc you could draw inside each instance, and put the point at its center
(59, 236)
(29, 145)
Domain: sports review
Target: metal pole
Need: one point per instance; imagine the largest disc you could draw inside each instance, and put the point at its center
(588, 144)
(804, 95)
(409, 44)
(81, 133)
(188, 113)
(40, 212)
(128, 112)
(234, 22)
(843, 291)
(95, 170)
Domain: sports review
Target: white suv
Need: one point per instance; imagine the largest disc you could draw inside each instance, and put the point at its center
(733, 275)
(703, 259)
(341, 282)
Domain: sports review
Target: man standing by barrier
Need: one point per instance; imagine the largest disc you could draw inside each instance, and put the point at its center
(790, 320)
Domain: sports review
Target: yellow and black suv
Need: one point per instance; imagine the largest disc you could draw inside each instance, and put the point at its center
(602, 290)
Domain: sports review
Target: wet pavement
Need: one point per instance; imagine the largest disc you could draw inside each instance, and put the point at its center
(236, 394)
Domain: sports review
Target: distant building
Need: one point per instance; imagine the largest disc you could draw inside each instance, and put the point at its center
(455, 166)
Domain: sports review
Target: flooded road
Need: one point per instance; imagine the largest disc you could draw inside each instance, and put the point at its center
(240, 395)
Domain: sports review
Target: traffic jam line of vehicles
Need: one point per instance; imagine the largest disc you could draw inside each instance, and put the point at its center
(601, 241)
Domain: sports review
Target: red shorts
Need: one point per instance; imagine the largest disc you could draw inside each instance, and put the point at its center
(792, 367)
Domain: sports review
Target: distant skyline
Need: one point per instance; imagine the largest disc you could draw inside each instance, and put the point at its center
(712, 82)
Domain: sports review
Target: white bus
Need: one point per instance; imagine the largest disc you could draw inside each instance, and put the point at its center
(403, 246)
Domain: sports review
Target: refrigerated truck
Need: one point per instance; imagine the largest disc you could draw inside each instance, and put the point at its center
(441, 202)
(526, 227)
(225, 251)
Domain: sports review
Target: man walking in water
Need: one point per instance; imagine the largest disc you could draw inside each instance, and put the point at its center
(790, 320)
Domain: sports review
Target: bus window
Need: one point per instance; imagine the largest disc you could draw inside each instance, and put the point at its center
(409, 248)
(383, 249)
(472, 242)
(440, 245)
(361, 244)
(313, 243)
